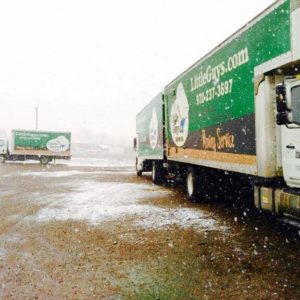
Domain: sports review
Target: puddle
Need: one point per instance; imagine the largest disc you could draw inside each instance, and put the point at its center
(96, 202)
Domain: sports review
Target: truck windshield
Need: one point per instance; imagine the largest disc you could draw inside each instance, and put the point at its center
(296, 104)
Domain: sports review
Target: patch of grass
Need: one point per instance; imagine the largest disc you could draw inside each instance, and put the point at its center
(161, 292)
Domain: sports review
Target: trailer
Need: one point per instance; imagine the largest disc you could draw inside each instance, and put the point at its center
(44, 146)
(236, 113)
(149, 142)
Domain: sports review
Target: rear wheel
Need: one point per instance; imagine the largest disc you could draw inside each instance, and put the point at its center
(191, 183)
(138, 172)
(157, 173)
(44, 160)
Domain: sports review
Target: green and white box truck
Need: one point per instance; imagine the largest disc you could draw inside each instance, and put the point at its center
(236, 112)
(149, 140)
(36, 145)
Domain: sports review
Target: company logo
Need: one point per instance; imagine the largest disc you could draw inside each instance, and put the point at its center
(59, 144)
(153, 130)
(179, 118)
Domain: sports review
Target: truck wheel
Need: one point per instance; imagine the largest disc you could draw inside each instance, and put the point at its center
(157, 173)
(2, 159)
(44, 160)
(138, 172)
(191, 182)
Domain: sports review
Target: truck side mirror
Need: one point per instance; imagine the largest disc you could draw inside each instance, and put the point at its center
(282, 118)
(134, 144)
(281, 105)
(281, 98)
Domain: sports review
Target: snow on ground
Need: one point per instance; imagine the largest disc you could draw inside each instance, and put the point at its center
(99, 162)
(84, 162)
(67, 173)
(8, 240)
(96, 202)
(183, 217)
(6, 193)
(79, 197)
(2, 254)
(54, 173)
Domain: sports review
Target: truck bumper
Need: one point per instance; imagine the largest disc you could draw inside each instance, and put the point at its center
(284, 202)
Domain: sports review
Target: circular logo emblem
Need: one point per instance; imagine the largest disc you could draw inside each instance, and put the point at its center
(153, 130)
(59, 144)
(179, 118)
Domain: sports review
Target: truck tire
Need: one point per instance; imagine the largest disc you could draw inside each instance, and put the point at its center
(44, 160)
(2, 159)
(157, 173)
(138, 172)
(191, 183)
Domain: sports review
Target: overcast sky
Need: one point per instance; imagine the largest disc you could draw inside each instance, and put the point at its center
(91, 66)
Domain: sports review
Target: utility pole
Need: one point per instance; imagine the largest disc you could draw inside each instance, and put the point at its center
(36, 117)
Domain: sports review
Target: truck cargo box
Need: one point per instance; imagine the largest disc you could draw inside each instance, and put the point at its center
(211, 107)
(149, 142)
(46, 143)
(149, 129)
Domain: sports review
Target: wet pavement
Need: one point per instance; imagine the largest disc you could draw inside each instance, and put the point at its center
(83, 230)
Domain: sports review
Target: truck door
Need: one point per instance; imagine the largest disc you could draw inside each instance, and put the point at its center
(3, 146)
(291, 137)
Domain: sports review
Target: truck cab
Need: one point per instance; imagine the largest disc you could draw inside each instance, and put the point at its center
(288, 117)
(281, 197)
(3, 146)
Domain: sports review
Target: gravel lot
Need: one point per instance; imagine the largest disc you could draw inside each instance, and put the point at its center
(83, 231)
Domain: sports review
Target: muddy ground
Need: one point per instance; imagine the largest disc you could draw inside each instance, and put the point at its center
(84, 232)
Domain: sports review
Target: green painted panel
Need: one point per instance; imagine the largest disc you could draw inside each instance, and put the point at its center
(221, 87)
(42, 140)
(149, 128)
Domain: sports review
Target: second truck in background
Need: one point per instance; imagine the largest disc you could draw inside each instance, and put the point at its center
(44, 146)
